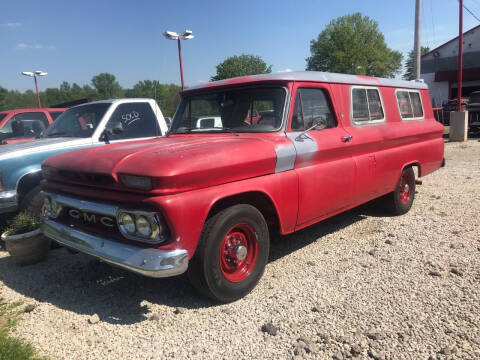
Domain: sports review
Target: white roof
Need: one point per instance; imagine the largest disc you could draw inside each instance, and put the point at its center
(317, 76)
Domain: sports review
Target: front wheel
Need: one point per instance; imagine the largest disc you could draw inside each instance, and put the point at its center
(400, 201)
(231, 254)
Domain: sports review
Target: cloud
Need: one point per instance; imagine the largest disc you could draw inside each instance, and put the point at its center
(286, 70)
(11, 24)
(23, 46)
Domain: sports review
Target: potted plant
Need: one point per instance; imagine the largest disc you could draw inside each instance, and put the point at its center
(24, 240)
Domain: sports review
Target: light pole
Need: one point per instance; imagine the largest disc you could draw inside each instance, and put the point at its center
(186, 35)
(34, 75)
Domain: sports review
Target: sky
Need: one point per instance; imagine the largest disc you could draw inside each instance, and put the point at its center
(75, 40)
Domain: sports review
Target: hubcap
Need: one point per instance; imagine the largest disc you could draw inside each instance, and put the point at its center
(241, 252)
(238, 252)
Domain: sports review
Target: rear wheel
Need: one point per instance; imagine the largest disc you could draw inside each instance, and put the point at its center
(400, 201)
(231, 254)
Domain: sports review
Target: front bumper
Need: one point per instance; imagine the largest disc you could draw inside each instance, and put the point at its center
(8, 201)
(145, 261)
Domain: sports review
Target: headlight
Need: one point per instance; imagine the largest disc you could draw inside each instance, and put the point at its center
(136, 182)
(47, 206)
(126, 223)
(143, 226)
(51, 208)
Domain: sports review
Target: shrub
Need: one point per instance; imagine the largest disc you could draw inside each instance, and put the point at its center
(23, 223)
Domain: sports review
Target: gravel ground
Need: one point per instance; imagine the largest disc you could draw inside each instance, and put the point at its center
(361, 284)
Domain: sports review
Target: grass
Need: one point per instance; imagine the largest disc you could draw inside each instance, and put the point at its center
(10, 347)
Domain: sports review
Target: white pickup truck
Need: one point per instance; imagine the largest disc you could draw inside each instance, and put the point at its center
(92, 124)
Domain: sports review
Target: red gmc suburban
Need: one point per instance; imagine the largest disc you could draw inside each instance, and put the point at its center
(204, 198)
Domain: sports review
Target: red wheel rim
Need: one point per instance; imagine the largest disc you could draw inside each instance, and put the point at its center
(238, 252)
(406, 186)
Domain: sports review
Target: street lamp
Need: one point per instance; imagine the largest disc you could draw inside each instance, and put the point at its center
(34, 75)
(186, 35)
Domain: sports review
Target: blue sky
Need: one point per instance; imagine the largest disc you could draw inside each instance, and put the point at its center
(75, 40)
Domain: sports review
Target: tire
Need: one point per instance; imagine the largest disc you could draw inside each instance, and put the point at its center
(400, 201)
(231, 254)
(32, 202)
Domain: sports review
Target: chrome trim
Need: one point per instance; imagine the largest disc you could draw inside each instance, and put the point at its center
(8, 201)
(145, 261)
(84, 205)
(114, 211)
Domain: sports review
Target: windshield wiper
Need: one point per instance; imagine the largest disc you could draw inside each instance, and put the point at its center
(60, 134)
(227, 129)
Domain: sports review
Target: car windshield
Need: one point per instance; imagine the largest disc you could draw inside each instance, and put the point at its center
(80, 121)
(2, 116)
(258, 109)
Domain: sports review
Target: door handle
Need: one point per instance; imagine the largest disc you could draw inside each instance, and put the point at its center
(346, 138)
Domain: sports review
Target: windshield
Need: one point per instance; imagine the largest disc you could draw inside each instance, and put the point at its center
(80, 121)
(257, 109)
(2, 116)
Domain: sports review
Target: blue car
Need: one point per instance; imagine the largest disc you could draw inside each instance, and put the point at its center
(92, 124)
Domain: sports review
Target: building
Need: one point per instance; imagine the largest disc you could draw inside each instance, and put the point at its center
(439, 68)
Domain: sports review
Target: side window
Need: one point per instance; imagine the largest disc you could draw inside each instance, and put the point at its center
(312, 104)
(137, 120)
(29, 124)
(367, 106)
(55, 114)
(409, 104)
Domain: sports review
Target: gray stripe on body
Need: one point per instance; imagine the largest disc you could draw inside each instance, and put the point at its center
(305, 147)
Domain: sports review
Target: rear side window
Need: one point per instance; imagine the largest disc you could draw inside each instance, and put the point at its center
(24, 125)
(137, 119)
(367, 106)
(312, 104)
(409, 104)
(55, 114)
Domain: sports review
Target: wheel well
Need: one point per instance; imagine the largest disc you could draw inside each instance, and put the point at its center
(417, 165)
(255, 198)
(28, 182)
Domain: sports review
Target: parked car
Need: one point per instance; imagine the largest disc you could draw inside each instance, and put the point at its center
(25, 124)
(205, 200)
(474, 113)
(86, 125)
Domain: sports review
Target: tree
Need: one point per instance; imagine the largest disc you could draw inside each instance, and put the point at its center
(353, 44)
(165, 94)
(240, 66)
(409, 63)
(107, 86)
(3, 94)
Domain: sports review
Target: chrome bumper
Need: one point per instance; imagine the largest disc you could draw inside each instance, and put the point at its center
(8, 201)
(145, 261)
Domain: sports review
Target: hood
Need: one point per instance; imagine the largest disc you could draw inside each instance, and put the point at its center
(38, 145)
(175, 163)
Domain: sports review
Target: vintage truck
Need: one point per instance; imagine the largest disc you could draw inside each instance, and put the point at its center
(80, 126)
(205, 198)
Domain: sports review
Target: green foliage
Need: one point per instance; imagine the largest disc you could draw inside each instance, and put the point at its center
(353, 44)
(165, 94)
(240, 66)
(107, 86)
(22, 223)
(11, 348)
(409, 63)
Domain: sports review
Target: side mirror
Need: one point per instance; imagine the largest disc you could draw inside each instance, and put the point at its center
(115, 128)
(318, 123)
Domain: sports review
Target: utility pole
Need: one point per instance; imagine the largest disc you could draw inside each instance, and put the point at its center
(460, 56)
(416, 42)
